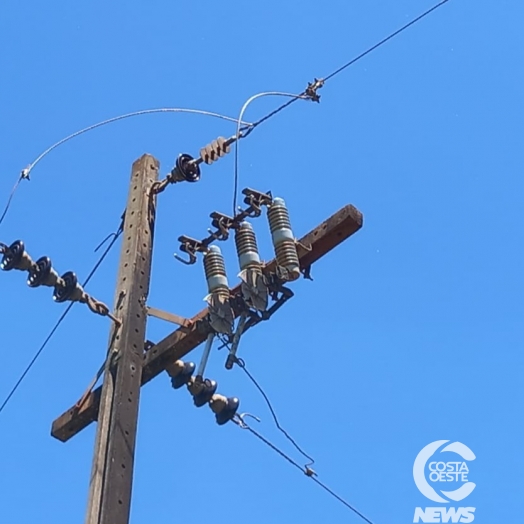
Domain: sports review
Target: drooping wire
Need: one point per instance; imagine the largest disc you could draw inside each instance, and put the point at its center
(11, 195)
(27, 171)
(240, 421)
(60, 320)
(242, 366)
(239, 133)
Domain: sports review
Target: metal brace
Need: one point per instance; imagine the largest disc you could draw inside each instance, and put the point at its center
(191, 247)
(168, 317)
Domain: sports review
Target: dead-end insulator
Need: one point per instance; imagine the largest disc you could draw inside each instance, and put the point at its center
(215, 150)
(185, 170)
(224, 408)
(283, 239)
(16, 257)
(180, 373)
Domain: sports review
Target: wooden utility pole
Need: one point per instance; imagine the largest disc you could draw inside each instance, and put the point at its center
(112, 472)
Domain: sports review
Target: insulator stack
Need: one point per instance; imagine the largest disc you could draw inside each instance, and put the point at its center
(283, 238)
(15, 257)
(217, 149)
(254, 286)
(225, 408)
(247, 249)
(215, 270)
(221, 315)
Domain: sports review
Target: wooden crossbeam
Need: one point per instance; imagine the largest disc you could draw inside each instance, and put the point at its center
(312, 247)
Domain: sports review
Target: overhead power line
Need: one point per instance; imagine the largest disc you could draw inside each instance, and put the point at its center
(242, 366)
(60, 320)
(240, 421)
(25, 173)
(310, 93)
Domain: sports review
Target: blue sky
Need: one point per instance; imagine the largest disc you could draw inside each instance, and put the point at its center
(411, 331)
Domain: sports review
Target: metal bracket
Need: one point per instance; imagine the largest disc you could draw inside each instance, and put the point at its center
(255, 200)
(190, 246)
(168, 317)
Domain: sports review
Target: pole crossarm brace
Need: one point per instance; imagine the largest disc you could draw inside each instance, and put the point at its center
(312, 247)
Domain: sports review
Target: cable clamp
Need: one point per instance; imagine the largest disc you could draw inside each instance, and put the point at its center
(309, 472)
(239, 420)
(312, 88)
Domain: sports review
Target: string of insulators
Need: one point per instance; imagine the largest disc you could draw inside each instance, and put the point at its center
(203, 391)
(41, 273)
(283, 239)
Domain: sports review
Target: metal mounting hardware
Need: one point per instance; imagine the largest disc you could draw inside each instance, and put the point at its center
(190, 246)
(223, 223)
(255, 200)
(168, 317)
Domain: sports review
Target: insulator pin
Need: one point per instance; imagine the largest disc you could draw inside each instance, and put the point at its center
(215, 269)
(283, 238)
(247, 249)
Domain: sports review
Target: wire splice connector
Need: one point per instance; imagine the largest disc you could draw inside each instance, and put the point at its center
(312, 88)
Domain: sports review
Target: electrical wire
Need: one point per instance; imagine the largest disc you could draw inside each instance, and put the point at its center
(250, 126)
(387, 39)
(60, 320)
(255, 124)
(304, 94)
(27, 171)
(11, 195)
(242, 365)
(309, 473)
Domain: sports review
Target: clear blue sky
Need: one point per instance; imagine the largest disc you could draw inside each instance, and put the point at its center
(411, 331)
